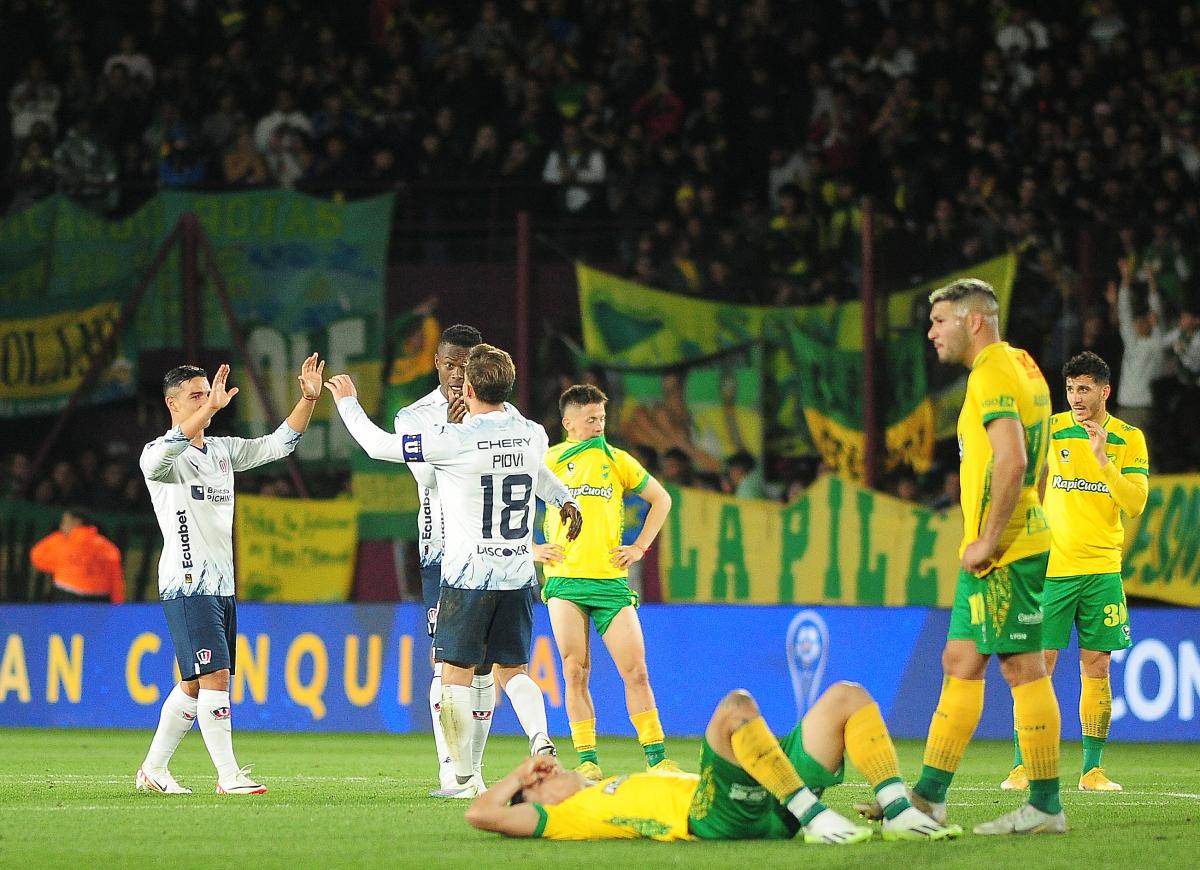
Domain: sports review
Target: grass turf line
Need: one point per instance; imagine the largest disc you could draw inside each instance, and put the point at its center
(359, 800)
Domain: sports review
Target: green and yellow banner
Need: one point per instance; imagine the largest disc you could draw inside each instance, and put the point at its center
(838, 544)
(295, 549)
(46, 347)
(1162, 546)
(303, 274)
(808, 360)
(843, 544)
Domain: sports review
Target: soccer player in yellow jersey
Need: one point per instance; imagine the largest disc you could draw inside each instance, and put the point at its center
(1002, 433)
(589, 579)
(750, 787)
(1098, 468)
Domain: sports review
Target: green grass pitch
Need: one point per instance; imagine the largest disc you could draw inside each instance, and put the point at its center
(359, 800)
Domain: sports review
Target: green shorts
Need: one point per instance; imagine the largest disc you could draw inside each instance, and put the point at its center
(730, 805)
(1094, 603)
(600, 600)
(1001, 611)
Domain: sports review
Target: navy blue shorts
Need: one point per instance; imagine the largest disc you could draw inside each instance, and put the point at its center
(431, 589)
(204, 631)
(484, 625)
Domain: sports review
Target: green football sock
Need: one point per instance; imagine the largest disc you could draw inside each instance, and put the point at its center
(1093, 748)
(933, 784)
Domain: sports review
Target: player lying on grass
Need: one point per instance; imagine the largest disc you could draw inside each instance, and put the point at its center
(751, 786)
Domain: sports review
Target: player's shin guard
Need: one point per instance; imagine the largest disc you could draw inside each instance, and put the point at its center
(953, 724)
(528, 704)
(650, 735)
(216, 726)
(583, 738)
(455, 714)
(1039, 729)
(174, 722)
(435, 706)
(871, 750)
(1095, 716)
(483, 704)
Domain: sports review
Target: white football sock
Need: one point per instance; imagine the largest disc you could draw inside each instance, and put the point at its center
(216, 726)
(528, 704)
(435, 704)
(483, 703)
(174, 722)
(456, 724)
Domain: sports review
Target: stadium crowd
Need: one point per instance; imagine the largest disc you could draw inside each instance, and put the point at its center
(728, 144)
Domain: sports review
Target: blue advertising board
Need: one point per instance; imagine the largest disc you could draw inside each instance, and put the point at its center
(366, 668)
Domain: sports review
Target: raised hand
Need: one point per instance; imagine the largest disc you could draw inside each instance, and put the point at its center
(219, 395)
(341, 386)
(1097, 439)
(310, 377)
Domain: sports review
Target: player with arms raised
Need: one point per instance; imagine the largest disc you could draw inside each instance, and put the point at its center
(190, 479)
(487, 468)
(1002, 434)
(589, 579)
(1098, 467)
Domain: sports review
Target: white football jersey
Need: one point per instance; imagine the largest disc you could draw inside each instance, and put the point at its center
(488, 469)
(429, 410)
(192, 492)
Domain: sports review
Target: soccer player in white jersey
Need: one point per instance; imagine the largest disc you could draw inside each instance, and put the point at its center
(444, 404)
(486, 473)
(190, 479)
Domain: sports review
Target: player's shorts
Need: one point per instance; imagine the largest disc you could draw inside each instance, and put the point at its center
(484, 625)
(729, 804)
(600, 600)
(204, 632)
(431, 589)
(1001, 611)
(1094, 603)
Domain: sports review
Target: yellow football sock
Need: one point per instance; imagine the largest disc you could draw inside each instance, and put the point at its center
(649, 729)
(1039, 727)
(870, 746)
(761, 756)
(1095, 707)
(953, 723)
(583, 735)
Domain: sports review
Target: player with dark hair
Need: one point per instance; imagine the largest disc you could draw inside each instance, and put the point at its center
(1098, 468)
(588, 580)
(190, 478)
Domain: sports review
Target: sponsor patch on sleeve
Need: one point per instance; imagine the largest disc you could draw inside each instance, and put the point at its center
(412, 448)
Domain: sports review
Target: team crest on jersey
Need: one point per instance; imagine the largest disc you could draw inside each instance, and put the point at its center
(223, 465)
(204, 656)
(412, 449)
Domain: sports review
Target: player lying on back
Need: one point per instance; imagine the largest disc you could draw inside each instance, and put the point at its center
(486, 471)
(751, 786)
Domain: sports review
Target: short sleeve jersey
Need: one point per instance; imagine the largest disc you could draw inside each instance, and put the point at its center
(192, 492)
(653, 806)
(487, 473)
(1086, 533)
(597, 476)
(1004, 382)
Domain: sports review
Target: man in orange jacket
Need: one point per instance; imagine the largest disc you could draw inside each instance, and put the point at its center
(86, 566)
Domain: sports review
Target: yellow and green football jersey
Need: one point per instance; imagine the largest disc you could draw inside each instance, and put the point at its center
(1086, 533)
(650, 805)
(597, 474)
(1004, 382)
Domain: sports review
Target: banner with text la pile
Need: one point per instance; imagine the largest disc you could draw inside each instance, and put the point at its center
(843, 544)
(809, 364)
(303, 275)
